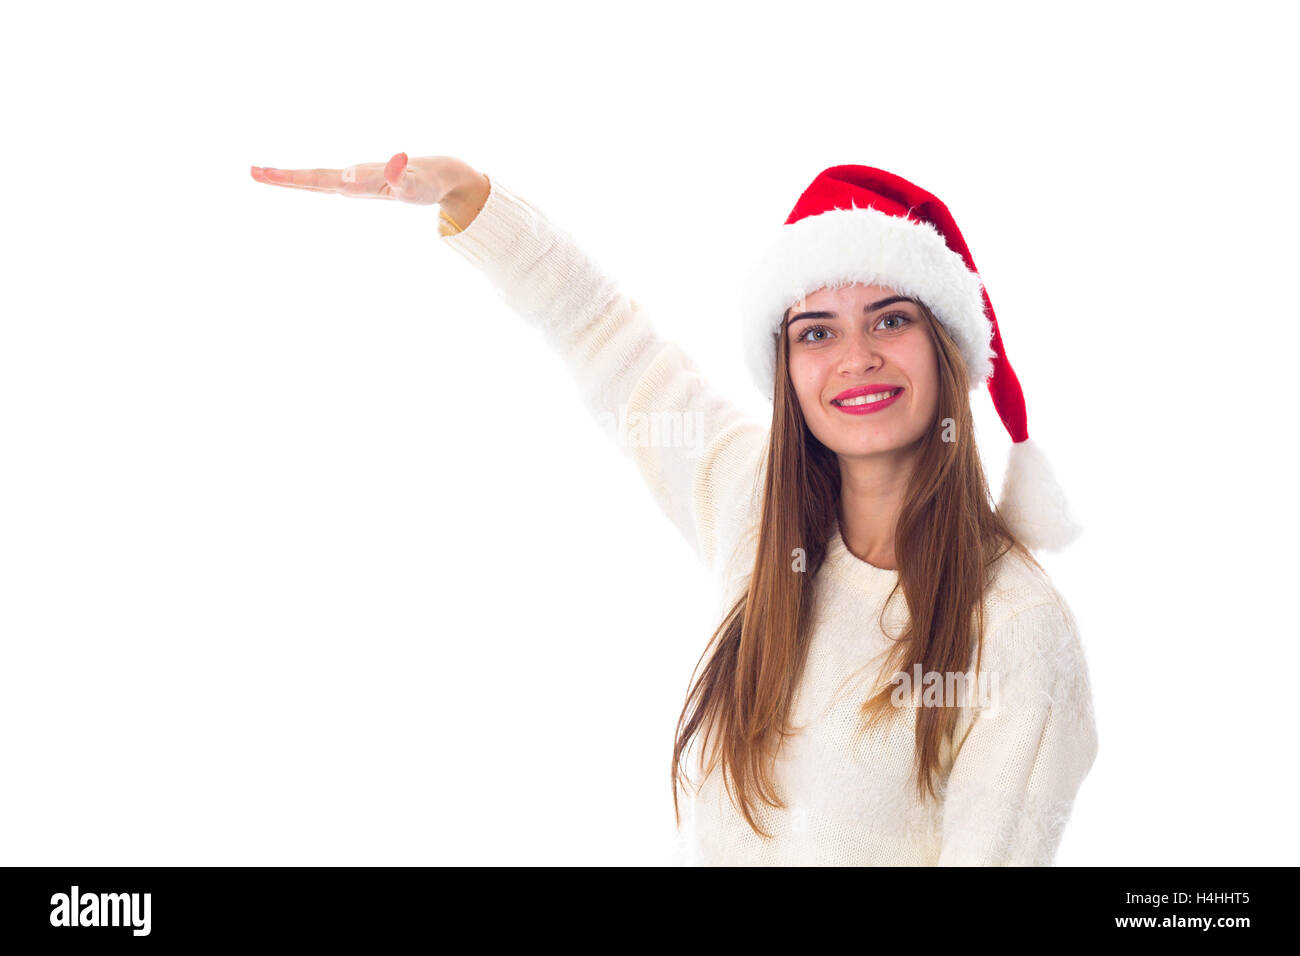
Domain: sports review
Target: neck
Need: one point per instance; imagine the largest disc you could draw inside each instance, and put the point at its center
(872, 489)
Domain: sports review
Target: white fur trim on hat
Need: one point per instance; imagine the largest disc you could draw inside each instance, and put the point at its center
(867, 246)
(1032, 502)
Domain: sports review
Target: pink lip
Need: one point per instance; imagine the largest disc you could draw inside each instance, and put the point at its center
(864, 390)
(870, 407)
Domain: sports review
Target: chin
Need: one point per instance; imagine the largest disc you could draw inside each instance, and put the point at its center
(861, 446)
(859, 449)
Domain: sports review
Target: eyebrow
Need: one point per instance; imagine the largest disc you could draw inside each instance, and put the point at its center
(871, 308)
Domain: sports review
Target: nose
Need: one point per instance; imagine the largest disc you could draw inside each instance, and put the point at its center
(860, 355)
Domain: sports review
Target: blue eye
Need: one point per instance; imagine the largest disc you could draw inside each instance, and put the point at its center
(803, 336)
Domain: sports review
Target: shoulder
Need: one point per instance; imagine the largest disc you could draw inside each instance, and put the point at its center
(1015, 576)
(1017, 585)
(1029, 627)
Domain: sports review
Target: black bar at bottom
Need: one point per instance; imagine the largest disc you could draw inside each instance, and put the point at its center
(374, 906)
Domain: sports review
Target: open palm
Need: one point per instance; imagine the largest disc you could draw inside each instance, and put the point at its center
(423, 181)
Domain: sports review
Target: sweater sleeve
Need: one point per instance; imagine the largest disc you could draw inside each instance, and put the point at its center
(698, 454)
(1025, 754)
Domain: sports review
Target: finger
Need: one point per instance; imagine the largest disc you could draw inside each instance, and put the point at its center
(260, 176)
(324, 180)
(366, 181)
(362, 181)
(382, 192)
(263, 175)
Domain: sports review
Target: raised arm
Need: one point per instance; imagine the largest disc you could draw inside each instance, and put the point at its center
(697, 452)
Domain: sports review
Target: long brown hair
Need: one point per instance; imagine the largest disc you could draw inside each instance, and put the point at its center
(947, 540)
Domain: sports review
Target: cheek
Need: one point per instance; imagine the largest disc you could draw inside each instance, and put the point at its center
(922, 363)
(919, 362)
(804, 373)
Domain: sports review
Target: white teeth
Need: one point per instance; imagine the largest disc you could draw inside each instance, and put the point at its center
(869, 399)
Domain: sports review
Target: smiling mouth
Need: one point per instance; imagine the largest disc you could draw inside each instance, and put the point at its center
(866, 399)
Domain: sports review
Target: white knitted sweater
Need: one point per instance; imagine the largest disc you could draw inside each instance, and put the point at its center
(1009, 782)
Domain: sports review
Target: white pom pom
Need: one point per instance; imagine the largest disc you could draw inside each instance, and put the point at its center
(1032, 503)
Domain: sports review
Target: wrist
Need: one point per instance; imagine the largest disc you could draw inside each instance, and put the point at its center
(463, 203)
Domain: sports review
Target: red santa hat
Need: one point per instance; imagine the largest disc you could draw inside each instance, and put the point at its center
(858, 224)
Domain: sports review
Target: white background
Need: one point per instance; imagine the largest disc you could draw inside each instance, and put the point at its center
(309, 553)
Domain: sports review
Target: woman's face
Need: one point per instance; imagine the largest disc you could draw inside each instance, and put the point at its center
(854, 336)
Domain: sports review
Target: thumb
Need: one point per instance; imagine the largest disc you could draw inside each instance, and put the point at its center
(395, 170)
(405, 182)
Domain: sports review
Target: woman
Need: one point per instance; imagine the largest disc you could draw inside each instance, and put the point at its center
(896, 680)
